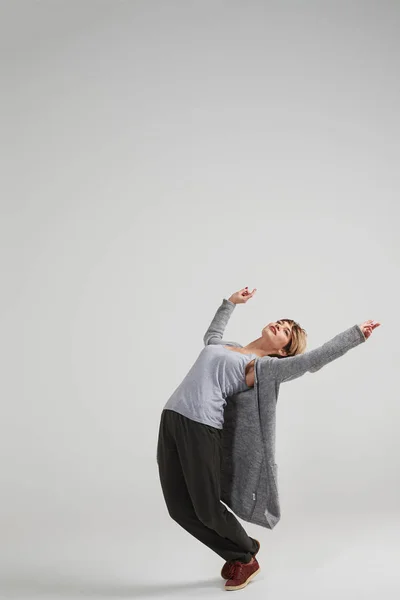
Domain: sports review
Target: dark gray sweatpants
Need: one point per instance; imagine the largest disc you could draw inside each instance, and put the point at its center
(189, 463)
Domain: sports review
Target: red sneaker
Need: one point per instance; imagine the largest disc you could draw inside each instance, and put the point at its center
(227, 571)
(242, 574)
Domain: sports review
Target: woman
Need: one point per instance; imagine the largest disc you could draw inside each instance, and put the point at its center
(189, 442)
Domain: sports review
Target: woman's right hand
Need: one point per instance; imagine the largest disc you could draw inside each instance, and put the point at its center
(242, 296)
(368, 327)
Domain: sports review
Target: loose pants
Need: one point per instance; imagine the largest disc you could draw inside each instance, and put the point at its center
(189, 463)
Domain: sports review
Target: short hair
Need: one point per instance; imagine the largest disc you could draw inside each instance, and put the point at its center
(298, 340)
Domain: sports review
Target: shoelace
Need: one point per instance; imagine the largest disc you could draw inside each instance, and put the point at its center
(236, 570)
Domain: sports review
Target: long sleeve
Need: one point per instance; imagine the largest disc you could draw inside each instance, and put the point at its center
(217, 326)
(287, 369)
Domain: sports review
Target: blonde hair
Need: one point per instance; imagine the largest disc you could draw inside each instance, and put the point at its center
(298, 340)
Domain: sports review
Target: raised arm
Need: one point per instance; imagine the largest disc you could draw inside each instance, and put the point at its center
(286, 369)
(217, 326)
(216, 330)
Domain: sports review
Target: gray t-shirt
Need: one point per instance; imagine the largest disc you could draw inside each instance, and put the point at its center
(217, 373)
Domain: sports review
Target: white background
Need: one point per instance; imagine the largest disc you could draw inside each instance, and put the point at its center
(157, 157)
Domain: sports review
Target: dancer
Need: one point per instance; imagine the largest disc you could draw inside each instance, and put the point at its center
(190, 432)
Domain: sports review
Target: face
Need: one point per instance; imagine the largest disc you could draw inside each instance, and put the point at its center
(279, 333)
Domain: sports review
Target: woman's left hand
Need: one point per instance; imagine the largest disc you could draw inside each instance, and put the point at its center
(368, 327)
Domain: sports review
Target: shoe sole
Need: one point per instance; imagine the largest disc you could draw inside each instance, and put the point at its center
(259, 546)
(239, 587)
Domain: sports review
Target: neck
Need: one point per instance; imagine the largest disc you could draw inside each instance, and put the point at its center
(261, 346)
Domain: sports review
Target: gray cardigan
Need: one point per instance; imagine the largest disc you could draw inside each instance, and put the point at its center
(249, 485)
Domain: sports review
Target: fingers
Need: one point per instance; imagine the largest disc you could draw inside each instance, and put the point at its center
(372, 325)
(369, 326)
(251, 294)
(245, 291)
(245, 295)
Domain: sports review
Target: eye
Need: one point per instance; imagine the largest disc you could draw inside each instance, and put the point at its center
(286, 329)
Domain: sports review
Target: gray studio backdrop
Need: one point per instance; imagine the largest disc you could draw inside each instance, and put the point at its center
(157, 157)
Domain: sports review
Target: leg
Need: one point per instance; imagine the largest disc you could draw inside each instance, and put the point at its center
(184, 449)
(177, 497)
